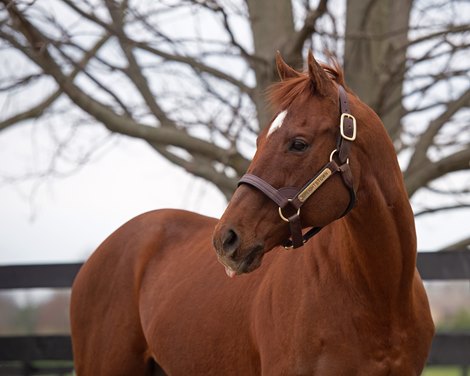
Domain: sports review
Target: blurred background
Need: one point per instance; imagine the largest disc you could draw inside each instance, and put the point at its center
(113, 108)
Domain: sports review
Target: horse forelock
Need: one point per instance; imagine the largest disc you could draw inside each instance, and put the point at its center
(281, 94)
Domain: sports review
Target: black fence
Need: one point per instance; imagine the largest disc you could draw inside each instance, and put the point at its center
(20, 355)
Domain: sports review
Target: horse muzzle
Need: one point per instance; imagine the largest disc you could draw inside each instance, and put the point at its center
(233, 255)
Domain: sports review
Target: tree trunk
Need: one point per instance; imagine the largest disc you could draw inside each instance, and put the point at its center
(272, 25)
(375, 53)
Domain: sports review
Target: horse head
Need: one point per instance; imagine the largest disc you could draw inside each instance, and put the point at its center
(300, 173)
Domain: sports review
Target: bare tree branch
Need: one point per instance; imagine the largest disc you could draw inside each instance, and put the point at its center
(120, 124)
(195, 64)
(165, 55)
(134, 71)
(19, 82)
(38, 110)
(32, 113)
(296, 42)
(461, 244)
(201, 168)
(217, 8)
(426, 139)
(441, 209)
(452, 29)
(433, 170)
(204, 92)
(448, 191)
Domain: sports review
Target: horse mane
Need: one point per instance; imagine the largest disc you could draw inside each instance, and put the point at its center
(281, 94)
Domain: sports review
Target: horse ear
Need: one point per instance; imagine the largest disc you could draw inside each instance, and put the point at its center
(284, 70)
(318, 76)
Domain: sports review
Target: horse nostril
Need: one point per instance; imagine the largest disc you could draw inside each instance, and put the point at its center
(230, 242)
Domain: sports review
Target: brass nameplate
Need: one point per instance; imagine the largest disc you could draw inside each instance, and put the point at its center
(314, 185)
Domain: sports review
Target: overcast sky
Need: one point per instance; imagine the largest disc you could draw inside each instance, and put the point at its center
(67, 218)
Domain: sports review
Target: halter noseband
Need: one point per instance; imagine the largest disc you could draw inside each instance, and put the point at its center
(290, 200)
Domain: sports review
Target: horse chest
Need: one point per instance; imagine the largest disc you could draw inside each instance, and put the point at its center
(304, 333)
(316, 351)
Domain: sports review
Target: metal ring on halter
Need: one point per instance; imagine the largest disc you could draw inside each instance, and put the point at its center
(287, 247)
(333, 153)
(282, 215)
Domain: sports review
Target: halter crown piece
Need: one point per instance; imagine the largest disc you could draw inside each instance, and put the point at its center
(290, 200)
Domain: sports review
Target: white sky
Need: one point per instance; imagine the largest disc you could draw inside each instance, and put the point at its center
(68, 217)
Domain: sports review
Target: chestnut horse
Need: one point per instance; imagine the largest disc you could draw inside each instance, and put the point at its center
(154, 299)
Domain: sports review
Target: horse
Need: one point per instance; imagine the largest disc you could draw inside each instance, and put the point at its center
(345, 298)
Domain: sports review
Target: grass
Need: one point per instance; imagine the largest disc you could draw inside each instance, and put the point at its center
(44, 367)
(444, 371)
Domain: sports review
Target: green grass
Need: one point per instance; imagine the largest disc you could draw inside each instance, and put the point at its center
(15, 367)
(443, 371)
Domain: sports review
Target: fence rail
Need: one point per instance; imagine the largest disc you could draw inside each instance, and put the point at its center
(445, 265)
(38, 276)
(447, 348)
(33, 348)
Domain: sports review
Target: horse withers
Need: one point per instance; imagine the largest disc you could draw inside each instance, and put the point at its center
(154, 297)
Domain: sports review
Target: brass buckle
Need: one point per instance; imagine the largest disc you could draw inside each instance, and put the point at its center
(287, 247)
(333, 153)
(282, 215)
(341, 126)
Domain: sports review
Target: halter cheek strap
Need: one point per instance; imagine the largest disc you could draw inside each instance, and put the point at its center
(290, 200)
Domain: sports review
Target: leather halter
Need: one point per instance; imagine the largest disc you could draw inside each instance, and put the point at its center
(290, 200)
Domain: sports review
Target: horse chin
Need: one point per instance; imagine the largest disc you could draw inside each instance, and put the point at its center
(243, 265)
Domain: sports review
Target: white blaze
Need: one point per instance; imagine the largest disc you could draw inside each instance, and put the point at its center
(277, 123)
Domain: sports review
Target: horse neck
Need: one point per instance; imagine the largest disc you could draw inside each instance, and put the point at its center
(378, 252)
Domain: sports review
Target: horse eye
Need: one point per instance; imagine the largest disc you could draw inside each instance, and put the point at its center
(298, 145)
